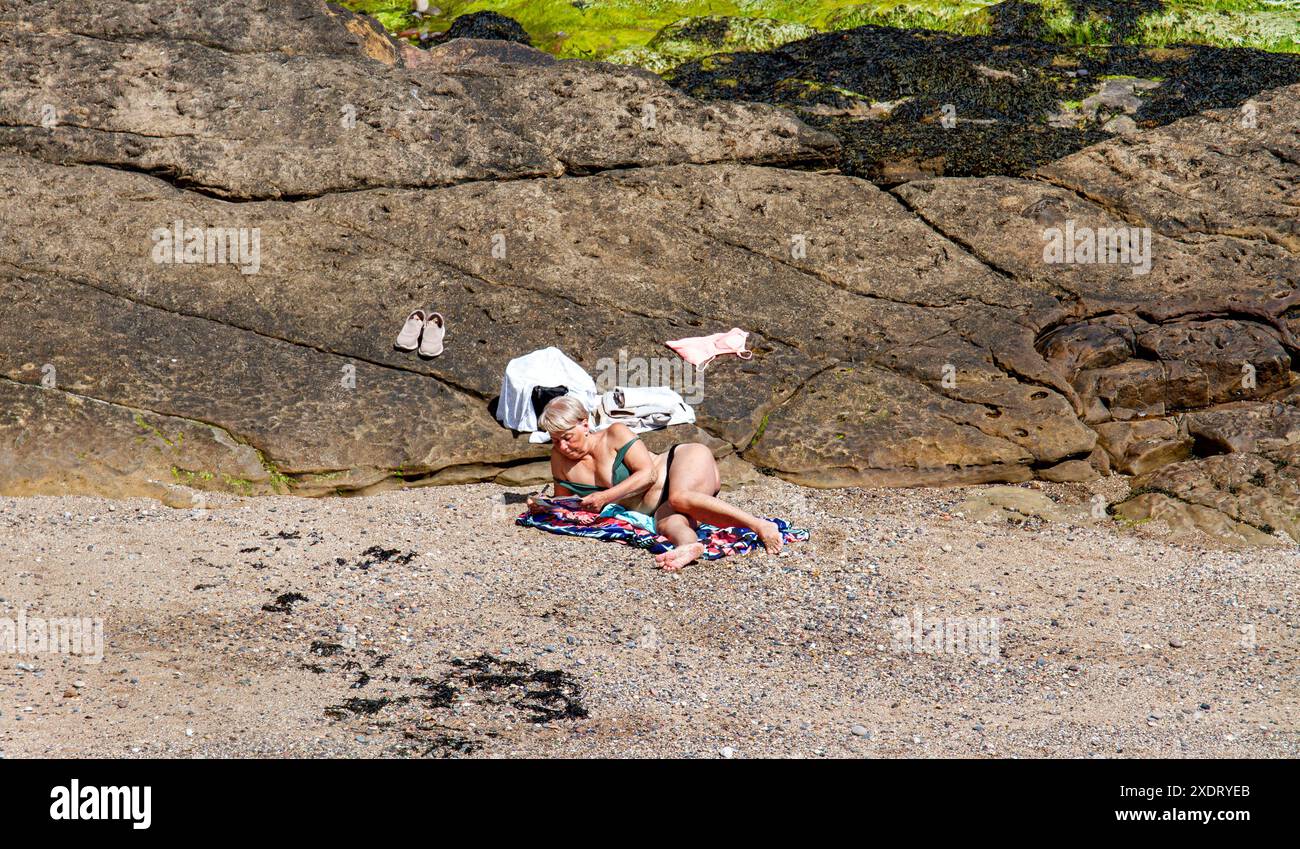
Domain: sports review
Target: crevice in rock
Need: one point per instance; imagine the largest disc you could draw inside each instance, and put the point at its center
(779, 403)
(229, 434)
(545, 293)
(406, 475)
(1075, 318)
(1226, 233)
(1243, 314)
(1038, 465)
(209, 45)
(959, 422)
(181, 183)
(163, 174)
(784, 474)
(1111, 206)
(174, 178)
(810, 272)
(1116, 209)
(758, 434)
(968, 248)
(869, 359)
(1267, 530)
(449, 384)
(63, 123)
(1064, 389)
(296, 477)
(1203, 446)
(1280, 155)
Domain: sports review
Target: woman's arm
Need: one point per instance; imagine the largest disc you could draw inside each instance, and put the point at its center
(639, 462)
(561, 491)
(558, 471)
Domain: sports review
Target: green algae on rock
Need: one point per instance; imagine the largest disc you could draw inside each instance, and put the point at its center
(694, 38)
(621, 30)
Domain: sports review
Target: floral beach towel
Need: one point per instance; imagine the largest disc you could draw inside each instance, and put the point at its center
(718, 542)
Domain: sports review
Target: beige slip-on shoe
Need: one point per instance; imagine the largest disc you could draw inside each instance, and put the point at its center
(409, 338)
(435, 327)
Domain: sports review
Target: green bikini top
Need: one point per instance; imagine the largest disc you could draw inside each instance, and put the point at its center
(619, 473)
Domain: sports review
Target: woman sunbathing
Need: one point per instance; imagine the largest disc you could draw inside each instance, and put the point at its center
(679, 489)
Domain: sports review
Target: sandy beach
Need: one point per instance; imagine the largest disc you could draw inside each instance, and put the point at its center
(424, 623)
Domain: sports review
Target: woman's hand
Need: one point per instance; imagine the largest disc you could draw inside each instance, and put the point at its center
(594, 503)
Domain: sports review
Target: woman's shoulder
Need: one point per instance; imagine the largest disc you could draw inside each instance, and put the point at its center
(618, 435)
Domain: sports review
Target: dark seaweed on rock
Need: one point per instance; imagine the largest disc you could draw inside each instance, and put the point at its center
(1018, 19)
(1014, 19)
(884, 92)
(485, 25)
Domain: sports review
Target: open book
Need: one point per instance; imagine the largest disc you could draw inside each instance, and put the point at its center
(570, 502)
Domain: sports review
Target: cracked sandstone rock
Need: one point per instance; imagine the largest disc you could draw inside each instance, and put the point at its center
(290, 27)
(551, 288)
(245, 125)
(1248, 495)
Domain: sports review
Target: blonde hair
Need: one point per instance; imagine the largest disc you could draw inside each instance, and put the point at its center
(562, 413)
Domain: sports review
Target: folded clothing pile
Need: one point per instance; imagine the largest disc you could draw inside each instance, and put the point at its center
(546, 369)
(718, 542)
(642, 408)
(533, 379)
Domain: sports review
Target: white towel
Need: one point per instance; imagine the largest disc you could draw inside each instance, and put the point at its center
(546, 367)
(655, 407)
(657, 397)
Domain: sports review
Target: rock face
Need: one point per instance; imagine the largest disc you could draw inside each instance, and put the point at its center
(917, 336)
(283, 124)
(1193, 358)
(1226, 173)
(1249, 497)
(287, 27)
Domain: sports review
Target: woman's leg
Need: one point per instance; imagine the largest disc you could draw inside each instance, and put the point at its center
(681, 533)
(692, 480)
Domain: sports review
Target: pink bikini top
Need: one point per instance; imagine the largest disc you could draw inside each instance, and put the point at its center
(699, 351)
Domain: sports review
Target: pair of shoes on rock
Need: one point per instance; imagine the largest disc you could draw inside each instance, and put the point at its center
(423, 331)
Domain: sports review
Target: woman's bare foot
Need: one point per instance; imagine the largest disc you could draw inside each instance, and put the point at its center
(673, 561)
(770, 535)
